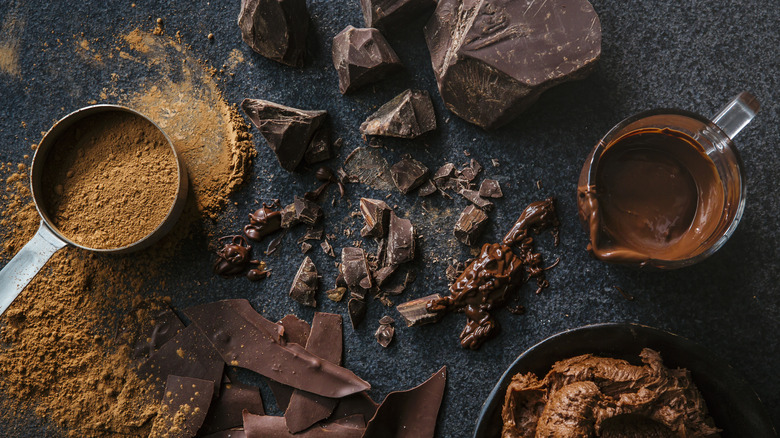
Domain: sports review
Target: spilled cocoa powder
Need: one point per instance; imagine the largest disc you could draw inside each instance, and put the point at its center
(109, 180)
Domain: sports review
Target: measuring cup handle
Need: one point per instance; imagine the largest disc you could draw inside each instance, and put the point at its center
(26, 263)
(737, 114)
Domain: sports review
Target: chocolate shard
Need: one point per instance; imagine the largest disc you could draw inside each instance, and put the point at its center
(408, 174)
(354, 268)
(319, 148)
(357, 311)
(276, 29)
(470, 225)
(490, 188)
(325, 341)
(400, 241)
(288, 131)
(245, 339)
(427, 188)
(408, 115)
(384, 333)
(289, 218)
(444, 172)
(148, 339)
(474, 198)
(336, 294)
(296, 331)
(267, 426)
(410, 413)
(415, 312)
(493, 59)
(382, 274)
(362, 56)
(306, 211)
(305, 284)
(388, 14)
(355, 404)
(327, 248)
(376, 214)
(183, 408)
(226, 410)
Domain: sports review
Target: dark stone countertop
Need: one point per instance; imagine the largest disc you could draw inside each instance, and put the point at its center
(688, 55)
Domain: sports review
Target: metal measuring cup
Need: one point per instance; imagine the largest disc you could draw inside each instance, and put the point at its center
(23, 267)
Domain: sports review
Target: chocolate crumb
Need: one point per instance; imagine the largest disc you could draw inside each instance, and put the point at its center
(384, 333)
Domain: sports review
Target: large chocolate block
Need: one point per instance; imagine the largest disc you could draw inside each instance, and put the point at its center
(276, 29)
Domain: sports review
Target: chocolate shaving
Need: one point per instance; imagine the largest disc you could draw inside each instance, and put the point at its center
(362, 56)
(274, 244)
(408, 115)
(184, 406)
(327, 248)
(408, 174)
(490, 188)
(226, 411)
(470, 225)
(276, 29)
(305, 284)
(415, 312)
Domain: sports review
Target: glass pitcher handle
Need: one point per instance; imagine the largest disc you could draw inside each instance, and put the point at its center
(737, 114)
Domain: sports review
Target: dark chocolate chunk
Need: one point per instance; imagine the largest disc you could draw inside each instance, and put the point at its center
(474, 198)
(389, 14)
(354, 267)
(263, 222)
(493, 59)
(289, 218)
(306, 211)
(385, 331)
(188, 354)
(470, 225)
(305, 284)
(427, 188)
(408, 174)
(408, 115)
(276, 29)
(226, 411)
(410, 413)
(327, 248)
(148, 339)
(362, 56)
(357, 311)
(233, 257)
(490, 189)
(415, 312)
(376, 214)
(183, 408)
(288, 131)
(325, 341)
(305, 247)
(382, 274)
(445, 171)
(400, 241)
(231, 433)
(267, 426)
(245, 339)
(319, 147)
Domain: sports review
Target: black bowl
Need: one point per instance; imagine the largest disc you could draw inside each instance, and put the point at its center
(734, 406)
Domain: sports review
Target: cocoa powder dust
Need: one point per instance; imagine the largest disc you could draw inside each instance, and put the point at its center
(109, 180)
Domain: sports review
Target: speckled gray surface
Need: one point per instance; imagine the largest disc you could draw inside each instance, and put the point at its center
(690, 55)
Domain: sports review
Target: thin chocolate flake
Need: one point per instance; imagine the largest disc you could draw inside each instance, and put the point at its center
(625, 294)
(276, 29)
(305, 284)
(267, 426)
(305, 247)
(415, 312)
(357, 311)
(226, 410)
(474, 198)
(376, 215)
(327, 248)
(245, 339)
(392, 14)
(162, 328)
(408, 115)
(408, 174)
(445, 172)
(295, 331)
(274, 244)
(184, 405)
(289, 132)
(400, 241)
(362, 56)
(355, 404)
(490, 188)
(470, 225)
(411, 413)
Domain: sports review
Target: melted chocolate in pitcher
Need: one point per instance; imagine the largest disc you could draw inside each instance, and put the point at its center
(657, 196)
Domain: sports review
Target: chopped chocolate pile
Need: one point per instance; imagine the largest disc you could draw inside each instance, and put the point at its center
(595, 396)
(276, 29)
(408, 115)
(233, 257)
(470, 225)
(408, 174)
(290, 132)
(362, 56)
(305, 284)
(393, 13)
(492, 59)
(497, 271)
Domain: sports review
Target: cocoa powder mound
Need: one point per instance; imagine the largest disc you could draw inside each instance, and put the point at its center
(109, 180)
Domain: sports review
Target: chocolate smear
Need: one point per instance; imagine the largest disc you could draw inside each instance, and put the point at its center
(245, 339)
(415, 312)
(400, 241)
(470, 225)
(362, 56)
(233, 257)
(492, 59)
(474, 198)
(226, 410)
(276, 29)
(266, 426)
(376, 214)
(356, 308)
(288, 131)
(384, 333)
(411, 413)
(263, 222)
(408, 115)
(393, 14)
(305, 284)
(490, 189)
(183, 408)
(325, 341)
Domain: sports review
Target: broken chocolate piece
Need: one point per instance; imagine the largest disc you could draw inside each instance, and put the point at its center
(183, 408)
(400, 241)
(362, 56)
(226, 411)
(355, 404)
(415, 312)
(474, 198)
(233, 256)
(289, 218)
(470, 225)
(288, 131)
(411, 413)
(336, 294)
(357, 311)
(319, 147)
(163, 327)
(427, 188)
(276, 29)
(490, 189)
(306, 211)
(388, 14)
(408, 174)
(245, 339)
(263, 222)
(445, 171)
(376, 214)
(354, 268)
(296, 331)
(382, 274)
(305, 247)
(493, 59)
(325, 341)
(408, 115)
(267, 426)
(305, 284)
(327, 248)
(385, 331)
